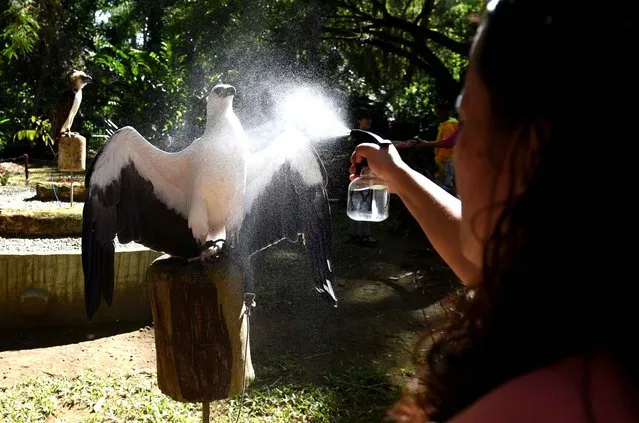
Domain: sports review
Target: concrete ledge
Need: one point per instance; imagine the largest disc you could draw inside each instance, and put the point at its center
(45, 191)
(39, 290)
(54, 221)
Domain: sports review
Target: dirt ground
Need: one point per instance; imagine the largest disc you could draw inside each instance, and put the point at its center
(389, 294)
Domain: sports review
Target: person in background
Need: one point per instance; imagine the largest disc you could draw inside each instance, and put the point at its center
(444, 156)
(545, 331)
(364, 120)
(444, 146)
(360, 232)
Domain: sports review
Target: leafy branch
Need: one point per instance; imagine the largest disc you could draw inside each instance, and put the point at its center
(41, 129)
(398, 33)
(21, 34)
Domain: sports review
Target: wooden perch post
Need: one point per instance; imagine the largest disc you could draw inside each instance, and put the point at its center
(72, 153)
(200, 329)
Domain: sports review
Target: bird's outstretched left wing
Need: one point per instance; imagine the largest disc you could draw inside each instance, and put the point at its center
(133, 191)
(286, 198)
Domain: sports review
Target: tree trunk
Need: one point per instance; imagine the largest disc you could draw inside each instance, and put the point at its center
(200, 329)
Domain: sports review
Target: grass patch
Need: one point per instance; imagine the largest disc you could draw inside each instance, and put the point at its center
(43, 174)
(357, 395)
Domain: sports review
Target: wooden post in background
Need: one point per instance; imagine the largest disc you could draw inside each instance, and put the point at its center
(200, 328)
(72, 153)
(26, 169)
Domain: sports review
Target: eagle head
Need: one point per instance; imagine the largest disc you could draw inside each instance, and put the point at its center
(79, 79)
(220, 98)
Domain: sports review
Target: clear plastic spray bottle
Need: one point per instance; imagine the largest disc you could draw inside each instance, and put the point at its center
(368, 195)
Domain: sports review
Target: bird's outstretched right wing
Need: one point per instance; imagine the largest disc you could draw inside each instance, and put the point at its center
(286, 198)
(134, 190)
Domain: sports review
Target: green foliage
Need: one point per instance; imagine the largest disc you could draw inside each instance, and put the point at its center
(415, 103)
(393, 45)
(146, 90)
(40, 129)
(153, 62)
(20, 34)
(3, 134)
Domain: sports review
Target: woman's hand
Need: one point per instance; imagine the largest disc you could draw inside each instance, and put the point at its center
(385, 162)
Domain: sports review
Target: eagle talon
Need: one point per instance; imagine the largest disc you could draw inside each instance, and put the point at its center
(211, 250)
(207, 245)
(208, 254)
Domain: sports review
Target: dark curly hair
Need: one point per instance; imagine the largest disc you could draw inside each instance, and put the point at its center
(553, 275)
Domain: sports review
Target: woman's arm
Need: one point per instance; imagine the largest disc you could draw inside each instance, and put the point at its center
(429, 144)
(446, 142)
(439, 215)
(437, 212)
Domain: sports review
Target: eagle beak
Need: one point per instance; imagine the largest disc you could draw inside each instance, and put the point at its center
(223, 92)
(87, 78)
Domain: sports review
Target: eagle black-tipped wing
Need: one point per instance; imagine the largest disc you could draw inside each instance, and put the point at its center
(286, 198)
(133, 192)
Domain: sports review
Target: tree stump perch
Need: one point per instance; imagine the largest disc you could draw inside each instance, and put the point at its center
(200, 329)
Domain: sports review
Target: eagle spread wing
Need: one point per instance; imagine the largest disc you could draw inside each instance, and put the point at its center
(286, 198)
(141, 193)
(134, 191)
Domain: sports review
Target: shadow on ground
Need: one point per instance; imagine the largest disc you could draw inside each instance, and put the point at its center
(388, 295)
(35, 338)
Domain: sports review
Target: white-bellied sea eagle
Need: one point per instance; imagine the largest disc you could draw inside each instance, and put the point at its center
(183, 203)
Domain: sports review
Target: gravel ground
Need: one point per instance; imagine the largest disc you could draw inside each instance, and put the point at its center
(52, 245)
(18, 197)
(14, 197)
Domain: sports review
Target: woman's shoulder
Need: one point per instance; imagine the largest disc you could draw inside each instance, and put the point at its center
(564, 392)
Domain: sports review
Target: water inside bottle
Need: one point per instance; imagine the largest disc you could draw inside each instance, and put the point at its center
(368, 203)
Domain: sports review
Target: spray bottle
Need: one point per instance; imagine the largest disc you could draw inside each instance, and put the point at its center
(368, 195)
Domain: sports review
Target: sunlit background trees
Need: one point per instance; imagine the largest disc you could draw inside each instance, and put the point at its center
(153, 61)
